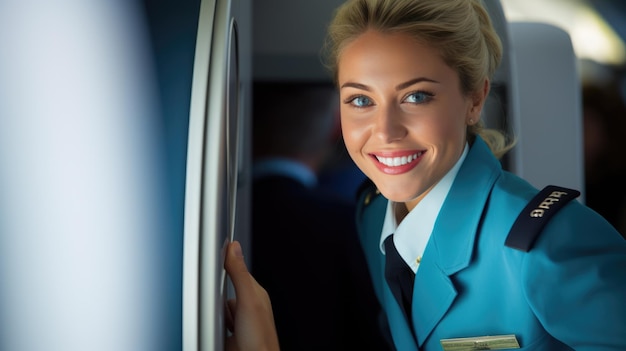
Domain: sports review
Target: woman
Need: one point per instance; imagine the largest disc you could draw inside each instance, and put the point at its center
(413, 77)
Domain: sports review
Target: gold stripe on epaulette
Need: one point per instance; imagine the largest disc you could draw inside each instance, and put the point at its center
(368, 197)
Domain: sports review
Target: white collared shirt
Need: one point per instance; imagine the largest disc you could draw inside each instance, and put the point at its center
(412, 234)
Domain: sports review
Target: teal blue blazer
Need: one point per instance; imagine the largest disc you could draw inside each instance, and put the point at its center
(567, 293)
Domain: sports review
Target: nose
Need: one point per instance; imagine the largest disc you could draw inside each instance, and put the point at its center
(388, 125)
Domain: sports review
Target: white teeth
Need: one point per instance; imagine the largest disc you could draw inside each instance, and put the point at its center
(398, 161)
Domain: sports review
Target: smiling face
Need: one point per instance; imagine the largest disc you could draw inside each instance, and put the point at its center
(403, 114)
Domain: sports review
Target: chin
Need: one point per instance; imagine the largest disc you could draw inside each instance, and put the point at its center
(395, 196)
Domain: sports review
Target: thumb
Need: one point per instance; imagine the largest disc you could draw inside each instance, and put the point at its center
(235, 266)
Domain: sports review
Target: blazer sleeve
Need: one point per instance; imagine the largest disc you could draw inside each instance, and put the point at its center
(575, 280)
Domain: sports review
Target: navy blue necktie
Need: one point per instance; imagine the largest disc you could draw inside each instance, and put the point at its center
(400, 277)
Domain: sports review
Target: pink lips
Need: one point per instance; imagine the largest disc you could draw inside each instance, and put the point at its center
(397, 162)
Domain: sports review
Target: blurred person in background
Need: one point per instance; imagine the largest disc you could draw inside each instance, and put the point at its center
(305, 250)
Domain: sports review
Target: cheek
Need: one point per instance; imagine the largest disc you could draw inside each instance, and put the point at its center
(451, 126)
(353, 134)
(451, 130)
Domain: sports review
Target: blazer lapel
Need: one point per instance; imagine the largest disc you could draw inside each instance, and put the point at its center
(451, 244)
(402, 335)
(370, 217)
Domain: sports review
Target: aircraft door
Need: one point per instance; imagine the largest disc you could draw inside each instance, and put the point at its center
(217, 183)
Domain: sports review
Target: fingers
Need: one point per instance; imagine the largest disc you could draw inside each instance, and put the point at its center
(234, 263)
(231, 344)
(236, 267)
(250, 316)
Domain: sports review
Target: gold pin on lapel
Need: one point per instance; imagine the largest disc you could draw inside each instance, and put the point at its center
(368, 197)
(497, 342)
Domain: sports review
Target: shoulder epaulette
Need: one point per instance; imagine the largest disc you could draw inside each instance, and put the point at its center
(536, 214)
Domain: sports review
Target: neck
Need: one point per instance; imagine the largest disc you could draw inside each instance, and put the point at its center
(400, 211)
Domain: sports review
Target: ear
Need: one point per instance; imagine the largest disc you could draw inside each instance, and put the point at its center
(478, 99)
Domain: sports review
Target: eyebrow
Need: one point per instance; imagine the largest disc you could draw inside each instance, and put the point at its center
(355, 85)
(414, 81)
(398, 87)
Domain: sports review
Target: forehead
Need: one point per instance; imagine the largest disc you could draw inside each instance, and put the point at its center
(375, 55)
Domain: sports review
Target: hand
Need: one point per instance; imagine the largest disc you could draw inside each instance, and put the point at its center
(249, 317)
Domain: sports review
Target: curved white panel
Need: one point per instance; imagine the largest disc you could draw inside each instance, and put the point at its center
(193, 187)
(216, 157)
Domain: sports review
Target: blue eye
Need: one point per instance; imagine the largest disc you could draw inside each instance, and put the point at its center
(361, 101)
(419, 97)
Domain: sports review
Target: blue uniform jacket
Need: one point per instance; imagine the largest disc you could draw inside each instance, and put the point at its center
(567, 292)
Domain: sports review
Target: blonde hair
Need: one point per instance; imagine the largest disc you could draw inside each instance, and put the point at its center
(460, 30)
